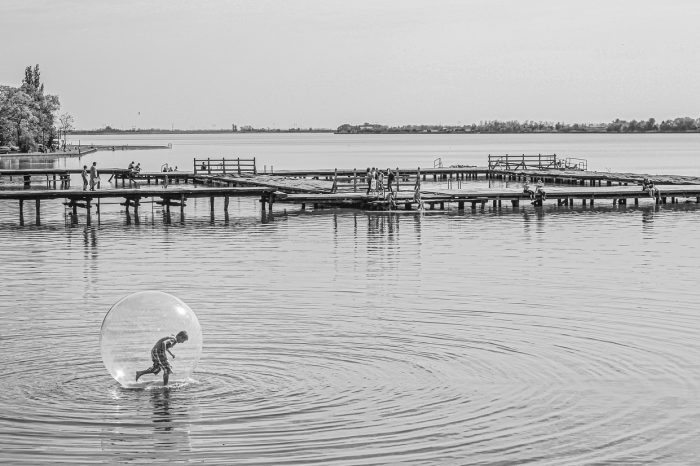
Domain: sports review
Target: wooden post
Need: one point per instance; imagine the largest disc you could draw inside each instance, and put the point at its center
(398, 180)
(21, 212)
(460, 205)
(334, 188)
(255, 168)
(38, 212)
(354, 180)
(271, 201)
(208, 166)
(211, 207)
(223, 164)
(182, 207)
(239, 165)
(226, 204)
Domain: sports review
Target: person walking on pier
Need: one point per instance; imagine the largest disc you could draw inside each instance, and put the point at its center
(94, 176)
(84, 174)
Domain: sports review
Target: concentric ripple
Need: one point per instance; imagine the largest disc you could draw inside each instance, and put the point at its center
(354, 338)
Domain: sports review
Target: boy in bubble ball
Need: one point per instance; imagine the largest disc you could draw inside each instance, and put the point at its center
(160, 360)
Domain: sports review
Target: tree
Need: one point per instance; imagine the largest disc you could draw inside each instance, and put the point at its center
(65, 125)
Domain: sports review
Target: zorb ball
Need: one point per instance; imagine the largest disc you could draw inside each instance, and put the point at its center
(135, 324)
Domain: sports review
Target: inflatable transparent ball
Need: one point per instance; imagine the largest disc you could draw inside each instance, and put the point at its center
(133, 326)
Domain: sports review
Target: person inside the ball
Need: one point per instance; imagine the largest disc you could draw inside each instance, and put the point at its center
(160, 360)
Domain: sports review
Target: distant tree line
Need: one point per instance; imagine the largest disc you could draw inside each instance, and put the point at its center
(677, 125)
(27, 114)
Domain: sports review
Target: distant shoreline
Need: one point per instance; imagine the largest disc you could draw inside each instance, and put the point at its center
(191, 131)
(330, 131)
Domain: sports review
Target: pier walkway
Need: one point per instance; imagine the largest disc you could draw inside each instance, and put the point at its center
(167, 197)
(433, 188)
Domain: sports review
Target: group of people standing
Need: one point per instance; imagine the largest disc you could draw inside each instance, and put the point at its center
(376, 179)
(92, 175)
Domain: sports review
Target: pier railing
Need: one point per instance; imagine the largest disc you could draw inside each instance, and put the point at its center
(523, 161)
(535, 161)
(224, 166)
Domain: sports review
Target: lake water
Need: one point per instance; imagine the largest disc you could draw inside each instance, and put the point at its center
(557, 335)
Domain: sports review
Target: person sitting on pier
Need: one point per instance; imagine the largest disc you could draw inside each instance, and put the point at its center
(540, 189)
(527, 189)
(648, 187)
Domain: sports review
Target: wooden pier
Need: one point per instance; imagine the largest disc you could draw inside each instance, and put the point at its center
(132, 198)
(430, 189)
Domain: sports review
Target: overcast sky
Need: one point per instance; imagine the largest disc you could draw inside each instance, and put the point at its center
(197, 64)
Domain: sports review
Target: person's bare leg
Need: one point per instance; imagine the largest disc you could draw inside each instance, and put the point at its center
(147, 371)
(166, 376)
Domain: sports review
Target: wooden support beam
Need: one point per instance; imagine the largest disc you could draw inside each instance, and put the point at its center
(87, 209)
(38, 212)
(21, 212)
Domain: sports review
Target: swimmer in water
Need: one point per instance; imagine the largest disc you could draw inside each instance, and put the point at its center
(160, 360)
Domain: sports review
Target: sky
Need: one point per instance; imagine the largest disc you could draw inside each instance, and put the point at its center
(303, 63)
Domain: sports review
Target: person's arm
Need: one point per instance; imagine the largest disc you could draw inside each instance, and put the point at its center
(168, 349)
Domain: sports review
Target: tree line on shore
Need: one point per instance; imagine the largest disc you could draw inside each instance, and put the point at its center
(28, 114)
(676, 125)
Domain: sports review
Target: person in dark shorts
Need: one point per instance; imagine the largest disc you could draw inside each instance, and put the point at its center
(84, 174)
(160, 360)
(390, 179)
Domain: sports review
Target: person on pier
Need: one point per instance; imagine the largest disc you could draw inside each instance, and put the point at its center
(94, 177)
(648, 187)
(368, 177)
(540, 188)
(390, 176)
(84, 174)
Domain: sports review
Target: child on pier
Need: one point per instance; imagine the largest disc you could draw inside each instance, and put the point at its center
(160, 360)
(84, 174)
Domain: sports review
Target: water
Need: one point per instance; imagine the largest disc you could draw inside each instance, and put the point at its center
(564, 335)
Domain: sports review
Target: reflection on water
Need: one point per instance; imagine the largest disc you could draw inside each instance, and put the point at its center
(553, 335)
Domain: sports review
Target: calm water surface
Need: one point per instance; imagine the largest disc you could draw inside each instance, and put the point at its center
(560, 335)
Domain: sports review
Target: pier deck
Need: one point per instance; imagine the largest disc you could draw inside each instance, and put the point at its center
(167, 197)
(346, 188)
(564, 195)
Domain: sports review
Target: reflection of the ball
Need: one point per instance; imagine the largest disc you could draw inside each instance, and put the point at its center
(133, 326)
